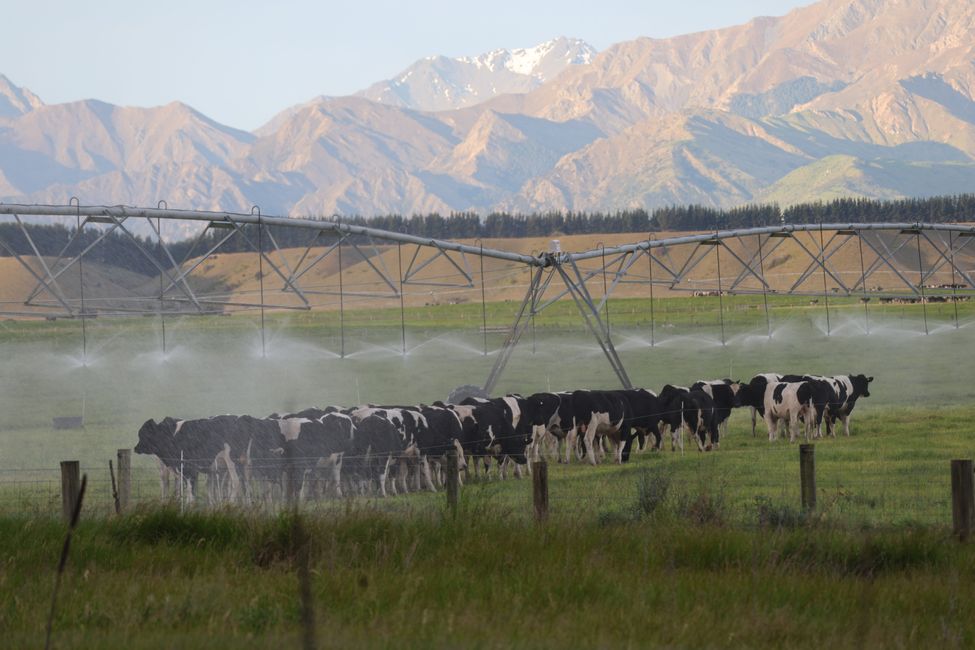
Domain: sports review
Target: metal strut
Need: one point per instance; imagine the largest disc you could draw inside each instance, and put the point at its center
(590, 313)
(518, 328)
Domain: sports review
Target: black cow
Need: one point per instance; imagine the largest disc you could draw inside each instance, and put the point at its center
(645, 416)
(377, 444)
(263, 461)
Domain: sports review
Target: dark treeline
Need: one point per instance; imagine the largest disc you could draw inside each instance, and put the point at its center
(117, 248)
(52, 240)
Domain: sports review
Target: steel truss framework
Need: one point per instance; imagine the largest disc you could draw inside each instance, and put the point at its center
(668, 263)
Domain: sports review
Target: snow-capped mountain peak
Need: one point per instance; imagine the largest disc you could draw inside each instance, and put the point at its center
(531, 61)
(439, 83)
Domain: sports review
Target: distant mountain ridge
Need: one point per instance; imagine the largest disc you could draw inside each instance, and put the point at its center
(15, 101)
(438, 83)
(871, 98)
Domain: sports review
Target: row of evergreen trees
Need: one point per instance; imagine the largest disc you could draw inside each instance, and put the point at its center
(116, 248)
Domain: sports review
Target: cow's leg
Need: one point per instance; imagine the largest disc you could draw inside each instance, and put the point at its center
(383, 475)
(553, 446)
(772, 425)
(845, 417)
(232, 474)
(754, 414)
(337, 474)
(571, 438)
(657, 437)
(793, 426)
(589, 436)
(163, 480)
(425, 473)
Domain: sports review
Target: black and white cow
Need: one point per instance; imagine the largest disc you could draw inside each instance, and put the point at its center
(752, 394)
(482, 426)
(789, 402)
(210, 447)
(724, 392)
(158, 439)
(316, 452)
(825, 398)
(408, 422)
(644, 416)
(693, 411)
(263, 460)
(513, 443)
(849, 389)
(192, 447)
(551, 419)
(444, 431)
(603, 414)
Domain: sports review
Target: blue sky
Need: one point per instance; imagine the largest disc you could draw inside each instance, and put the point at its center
(242, 61)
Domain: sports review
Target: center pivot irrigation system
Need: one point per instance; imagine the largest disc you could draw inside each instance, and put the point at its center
(666, 263)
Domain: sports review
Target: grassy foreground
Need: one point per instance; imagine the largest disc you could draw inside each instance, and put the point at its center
(161, 579)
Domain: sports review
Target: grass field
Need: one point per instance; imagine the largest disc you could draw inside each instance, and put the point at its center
(693, 550)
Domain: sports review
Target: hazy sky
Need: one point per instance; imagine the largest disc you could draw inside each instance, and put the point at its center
(242, 61)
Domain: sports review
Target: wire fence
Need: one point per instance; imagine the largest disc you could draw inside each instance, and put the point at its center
(702, 488)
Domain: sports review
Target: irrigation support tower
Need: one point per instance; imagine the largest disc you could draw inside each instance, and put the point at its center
(751, 248)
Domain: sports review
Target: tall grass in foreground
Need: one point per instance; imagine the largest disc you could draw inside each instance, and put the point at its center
(656, 576)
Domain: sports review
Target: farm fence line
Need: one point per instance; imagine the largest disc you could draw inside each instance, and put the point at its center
(893, 491)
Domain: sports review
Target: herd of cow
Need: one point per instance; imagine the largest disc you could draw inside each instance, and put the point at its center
(396, 449)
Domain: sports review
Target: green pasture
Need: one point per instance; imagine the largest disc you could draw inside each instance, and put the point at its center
(894, 468)
(674, 550)
(483, 580)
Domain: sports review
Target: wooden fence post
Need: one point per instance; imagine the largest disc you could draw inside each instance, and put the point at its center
(540, 490)
(124, 478)
(962, 498)
(807, 476)
(453, 484)
(111, 473)
(70, 485)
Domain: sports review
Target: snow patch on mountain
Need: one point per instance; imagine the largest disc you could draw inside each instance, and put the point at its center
(438, 83)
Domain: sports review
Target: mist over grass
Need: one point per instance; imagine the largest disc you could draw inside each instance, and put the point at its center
(215, 365)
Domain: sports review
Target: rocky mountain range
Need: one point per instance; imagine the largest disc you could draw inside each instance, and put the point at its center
(843, 97)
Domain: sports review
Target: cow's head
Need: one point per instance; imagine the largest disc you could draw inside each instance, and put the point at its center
(155, 437)
(861, 387)
(735, 387)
